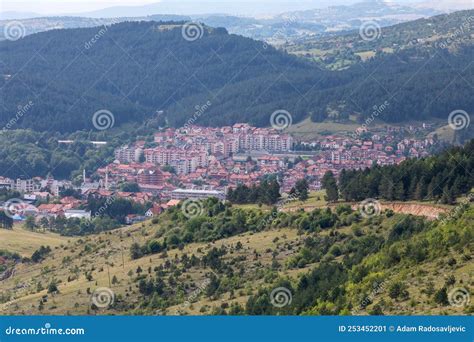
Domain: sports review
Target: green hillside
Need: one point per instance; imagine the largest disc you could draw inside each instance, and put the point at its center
(225, 260)
(148, 73)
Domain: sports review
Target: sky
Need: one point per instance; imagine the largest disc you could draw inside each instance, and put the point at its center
(66, 6)
(72, 7)
(78, 6)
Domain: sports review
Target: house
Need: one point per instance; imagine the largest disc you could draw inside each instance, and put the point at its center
(155, 210)
(172, 203)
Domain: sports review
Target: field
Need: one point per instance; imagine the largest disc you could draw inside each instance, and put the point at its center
(25, 242)
(308, 129)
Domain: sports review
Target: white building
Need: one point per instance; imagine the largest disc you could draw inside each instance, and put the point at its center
(75, 213)
(196, 194)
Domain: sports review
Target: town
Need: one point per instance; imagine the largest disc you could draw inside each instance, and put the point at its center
(199, 162)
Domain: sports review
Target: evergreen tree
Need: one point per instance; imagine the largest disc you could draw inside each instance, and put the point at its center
(330, 185)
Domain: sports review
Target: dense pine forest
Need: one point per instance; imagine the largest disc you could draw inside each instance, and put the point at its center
(136, 70)
(442, 177)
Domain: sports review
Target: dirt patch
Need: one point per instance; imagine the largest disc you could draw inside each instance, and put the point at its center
(431, 212)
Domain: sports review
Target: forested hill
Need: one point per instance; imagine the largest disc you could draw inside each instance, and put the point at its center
(138, 69)
(135, 69)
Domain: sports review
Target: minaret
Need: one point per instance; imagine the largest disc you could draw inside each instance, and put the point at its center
(84, 176)
(106, 178)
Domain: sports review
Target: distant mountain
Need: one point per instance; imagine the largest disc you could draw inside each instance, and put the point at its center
(136, 70)
(275, 29)
(9, 15)
(445, 31)
(191, 7)
(337, 18)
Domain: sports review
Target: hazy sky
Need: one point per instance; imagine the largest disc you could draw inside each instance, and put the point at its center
(54, 7)
(77, 6)
(66, 6)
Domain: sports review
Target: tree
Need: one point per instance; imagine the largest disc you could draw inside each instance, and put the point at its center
(5, 221)
(330, 185)
(52, 287)
(420, 190)
(301, 189)
(30, 223)
(441, 296)
(135, 251)
(130, 187)
(44, 222)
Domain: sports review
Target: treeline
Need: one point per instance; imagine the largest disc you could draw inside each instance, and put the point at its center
(24, 153)
(267, 192)
(442, 178)
(76, 226)
(115, 208)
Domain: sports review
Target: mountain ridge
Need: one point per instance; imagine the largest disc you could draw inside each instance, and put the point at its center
(116, 68)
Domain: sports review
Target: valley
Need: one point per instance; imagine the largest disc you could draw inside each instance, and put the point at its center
(306, 162)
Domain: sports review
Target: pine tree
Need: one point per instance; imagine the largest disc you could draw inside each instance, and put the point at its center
(330, 185)
(420, 191)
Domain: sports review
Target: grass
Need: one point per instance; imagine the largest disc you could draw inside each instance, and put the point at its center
(445, 133)
(315, 200)
(104, 257)
(365, 55)
(251, 206)
(25, 242)
(312, 130)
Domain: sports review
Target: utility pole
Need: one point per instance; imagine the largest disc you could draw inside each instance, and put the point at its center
(123, 260)
(108, 272)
